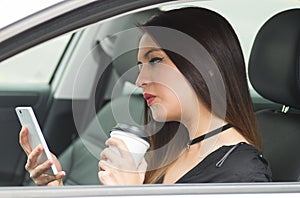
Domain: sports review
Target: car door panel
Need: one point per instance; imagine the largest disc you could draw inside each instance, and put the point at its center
(12, 168)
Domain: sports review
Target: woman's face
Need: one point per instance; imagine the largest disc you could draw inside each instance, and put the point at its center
(167, 92)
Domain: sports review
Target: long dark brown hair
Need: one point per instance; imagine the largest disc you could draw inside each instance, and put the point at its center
(219, 40)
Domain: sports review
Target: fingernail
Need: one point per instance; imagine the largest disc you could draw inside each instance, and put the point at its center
(40, 147)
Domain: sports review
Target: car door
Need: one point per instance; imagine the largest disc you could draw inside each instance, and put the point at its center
(36, 70)
(33, 78)
(26, 80)
(53, 105)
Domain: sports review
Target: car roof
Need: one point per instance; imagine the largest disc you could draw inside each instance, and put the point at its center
(39, 15)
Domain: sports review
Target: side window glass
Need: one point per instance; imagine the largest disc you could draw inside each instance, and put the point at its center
(35, 65)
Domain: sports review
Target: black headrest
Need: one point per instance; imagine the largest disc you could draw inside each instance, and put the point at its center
(274, 65)
(125, 43)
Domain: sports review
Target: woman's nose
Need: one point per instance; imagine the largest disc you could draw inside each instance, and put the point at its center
(143, 77)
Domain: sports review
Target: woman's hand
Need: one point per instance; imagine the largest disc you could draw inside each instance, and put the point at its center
(36, 171)
(120, 169)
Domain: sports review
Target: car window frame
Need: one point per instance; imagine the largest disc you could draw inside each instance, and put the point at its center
(84, 191)
(69, 21)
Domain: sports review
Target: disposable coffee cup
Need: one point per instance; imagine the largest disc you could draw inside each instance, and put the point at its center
(133, 138)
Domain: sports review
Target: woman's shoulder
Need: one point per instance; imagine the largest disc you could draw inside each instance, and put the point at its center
(238, 154)
(235, 163)
(243, 162)
(234, 155)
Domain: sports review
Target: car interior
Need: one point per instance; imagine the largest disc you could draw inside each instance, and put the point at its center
(80, 159)
(274, 73)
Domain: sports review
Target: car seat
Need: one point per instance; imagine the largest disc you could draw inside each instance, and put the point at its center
(274, 72)
(80, 160)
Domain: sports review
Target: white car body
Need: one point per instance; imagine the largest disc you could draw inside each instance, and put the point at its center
(66, 78)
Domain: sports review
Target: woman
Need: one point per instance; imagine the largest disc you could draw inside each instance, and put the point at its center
(192, 73)
(199, 113)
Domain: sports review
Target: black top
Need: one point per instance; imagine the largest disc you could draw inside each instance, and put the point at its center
(237, 163)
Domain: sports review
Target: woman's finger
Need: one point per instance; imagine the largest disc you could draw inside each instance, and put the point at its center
(32, 158)
(56, 162)
(23, 140)
(118, 143)
(105, 177)
(103, 165)
(108, 154)
(40, 169)
(45, 179)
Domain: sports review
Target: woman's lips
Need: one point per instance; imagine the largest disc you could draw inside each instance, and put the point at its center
(149, 98)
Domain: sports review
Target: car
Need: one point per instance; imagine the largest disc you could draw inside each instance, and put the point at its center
(71, 63)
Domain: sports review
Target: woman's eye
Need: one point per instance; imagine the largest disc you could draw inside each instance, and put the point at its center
(155, 60)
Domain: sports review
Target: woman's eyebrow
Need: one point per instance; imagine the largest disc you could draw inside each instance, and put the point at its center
(150, 51)
(146, 55)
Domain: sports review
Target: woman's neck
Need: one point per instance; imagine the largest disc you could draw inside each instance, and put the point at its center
(202, 122)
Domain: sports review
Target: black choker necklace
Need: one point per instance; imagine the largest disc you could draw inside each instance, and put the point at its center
(208, 135)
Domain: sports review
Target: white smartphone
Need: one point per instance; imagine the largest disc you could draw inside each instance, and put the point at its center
(35, 135)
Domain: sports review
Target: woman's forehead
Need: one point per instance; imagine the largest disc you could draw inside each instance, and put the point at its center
(147, 46)
(147, 42)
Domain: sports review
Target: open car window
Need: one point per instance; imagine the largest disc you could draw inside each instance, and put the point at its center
(86, 91)
(36, 65)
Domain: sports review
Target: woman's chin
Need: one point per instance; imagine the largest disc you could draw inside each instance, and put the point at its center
(159, 113)
(159, 119)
